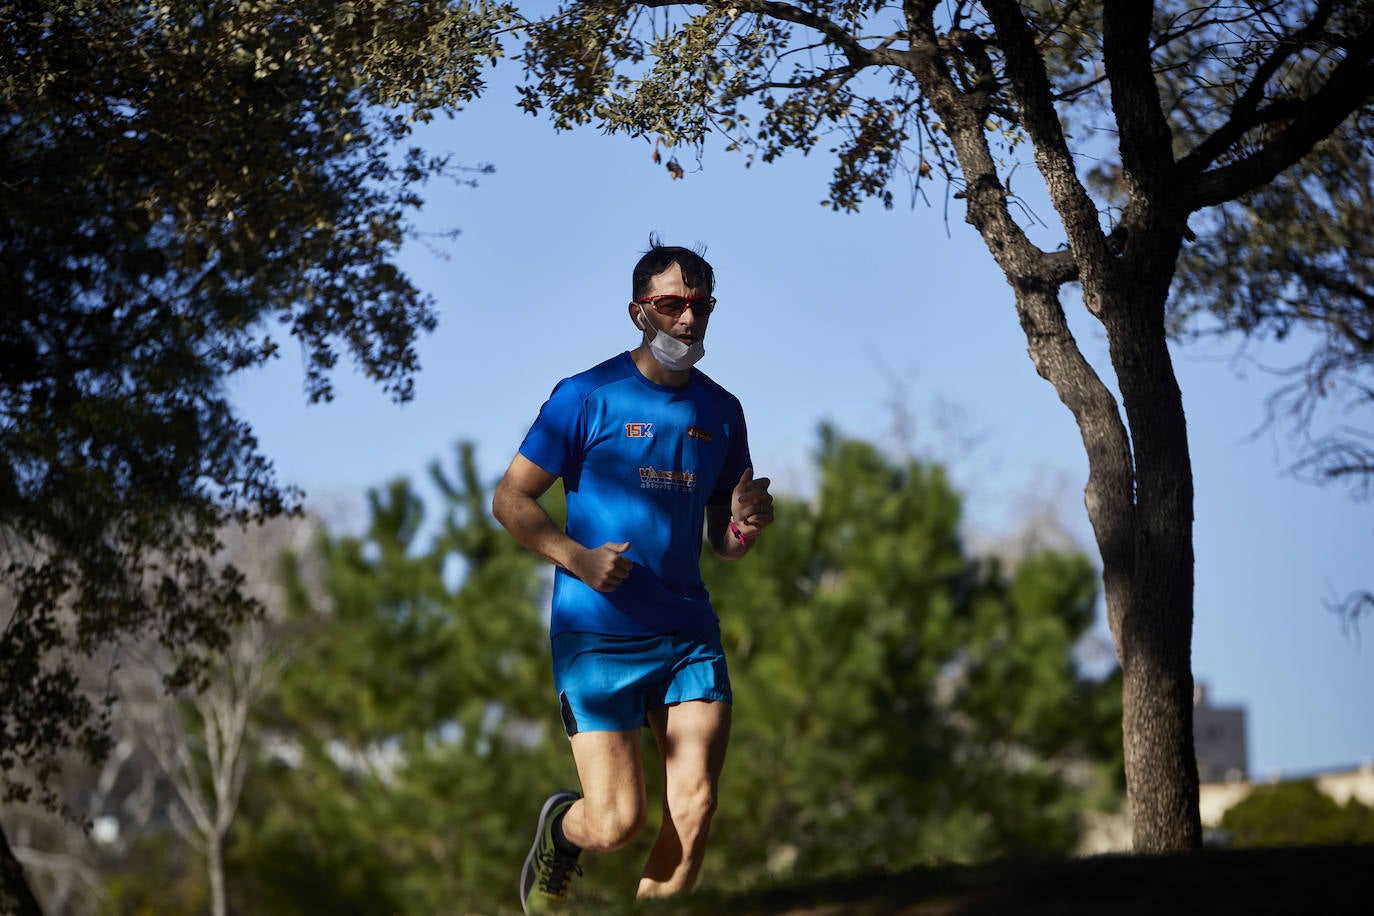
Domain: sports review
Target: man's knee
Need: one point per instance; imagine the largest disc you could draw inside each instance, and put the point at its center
(612, 824)
(693, 806)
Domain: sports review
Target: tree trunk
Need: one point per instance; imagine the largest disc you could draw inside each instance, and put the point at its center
(1153, 628)
(214, 860)
(1139, 498)
(1139, 490)
(16, 898)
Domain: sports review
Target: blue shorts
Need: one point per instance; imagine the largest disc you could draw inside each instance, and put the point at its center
(609, 683)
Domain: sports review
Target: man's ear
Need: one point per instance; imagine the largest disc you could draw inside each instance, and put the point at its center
(635, 317)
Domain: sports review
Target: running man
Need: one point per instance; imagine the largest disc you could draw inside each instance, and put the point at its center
(647, 446)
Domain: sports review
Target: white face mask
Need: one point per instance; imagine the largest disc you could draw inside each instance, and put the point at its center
(672, 353)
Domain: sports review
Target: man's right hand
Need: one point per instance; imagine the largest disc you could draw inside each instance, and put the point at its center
(604, 567)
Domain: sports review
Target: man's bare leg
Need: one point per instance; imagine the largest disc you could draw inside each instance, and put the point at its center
(692, 738)
(611, 811)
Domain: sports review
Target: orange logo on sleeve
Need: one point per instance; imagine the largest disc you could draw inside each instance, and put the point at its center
(697, 433)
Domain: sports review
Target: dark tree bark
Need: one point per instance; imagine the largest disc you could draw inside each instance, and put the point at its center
(16, 897)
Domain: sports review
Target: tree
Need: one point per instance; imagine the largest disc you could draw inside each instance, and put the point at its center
(202, 743)
(899, 701)
(904, 92)
(1297, 257)
(1297, 813)
(177, 759)
(185, 185)
(420, 716)
(57, 850)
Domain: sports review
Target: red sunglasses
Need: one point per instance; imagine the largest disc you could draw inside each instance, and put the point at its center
(671, 306)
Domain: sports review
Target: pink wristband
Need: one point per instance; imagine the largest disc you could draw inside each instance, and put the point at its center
(739, 535)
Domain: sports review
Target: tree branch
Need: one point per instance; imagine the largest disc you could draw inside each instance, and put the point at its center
(1351, 84)
(1246, 113)
(838, 75)
(1060, 267)
(846, 43)
(1145, 140)
(1030, 85)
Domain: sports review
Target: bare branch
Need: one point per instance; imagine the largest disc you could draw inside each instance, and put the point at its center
(1246, 113)
(1348, 86)
(1351, 609)
(1031, 86)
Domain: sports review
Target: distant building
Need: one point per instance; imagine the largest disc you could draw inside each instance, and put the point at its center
(1219, 740)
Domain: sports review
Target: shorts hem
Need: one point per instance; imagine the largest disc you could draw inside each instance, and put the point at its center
(711, 696)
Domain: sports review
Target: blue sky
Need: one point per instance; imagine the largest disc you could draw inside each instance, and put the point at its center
(835, 318)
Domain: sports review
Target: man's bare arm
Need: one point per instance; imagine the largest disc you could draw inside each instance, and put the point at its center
(516, 506)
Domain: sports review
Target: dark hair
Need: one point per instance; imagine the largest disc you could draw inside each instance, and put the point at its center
(696, 272)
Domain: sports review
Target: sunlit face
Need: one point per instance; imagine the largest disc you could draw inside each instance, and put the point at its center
(690, 325)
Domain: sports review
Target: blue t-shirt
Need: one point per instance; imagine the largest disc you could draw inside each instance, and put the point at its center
(639, 462)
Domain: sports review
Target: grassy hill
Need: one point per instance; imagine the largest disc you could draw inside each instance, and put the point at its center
(1296, 880)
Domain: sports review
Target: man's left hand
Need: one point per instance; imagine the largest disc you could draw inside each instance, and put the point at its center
(751, 505)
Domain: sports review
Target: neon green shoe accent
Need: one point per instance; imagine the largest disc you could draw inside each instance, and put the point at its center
(547, 873)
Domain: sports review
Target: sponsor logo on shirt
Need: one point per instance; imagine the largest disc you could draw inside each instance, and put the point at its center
(639, 430)
(654, 479)
(698, 433)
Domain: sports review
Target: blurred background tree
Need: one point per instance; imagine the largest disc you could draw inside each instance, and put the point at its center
(144, 825)
(899, 701)
(416, 718)
(1296, 813)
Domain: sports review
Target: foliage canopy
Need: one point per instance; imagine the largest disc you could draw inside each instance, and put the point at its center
(186, 185)
(1294, 814)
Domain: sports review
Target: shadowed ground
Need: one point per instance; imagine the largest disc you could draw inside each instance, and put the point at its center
(1299, 880)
